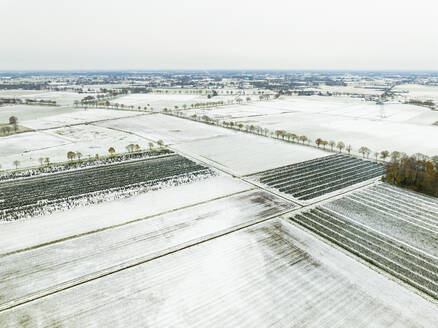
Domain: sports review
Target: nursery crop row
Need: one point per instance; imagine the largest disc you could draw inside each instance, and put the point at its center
(320, 176)
(402, 214)
(82, 164)
(20, 195)
(406, 263)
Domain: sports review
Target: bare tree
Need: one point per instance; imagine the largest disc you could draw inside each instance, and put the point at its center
(13, 120)
(434, 160)
(384, 154)
(332, 144)
(130, 148)
(340, 146)
(364, 151)
(41, 160)
(318, 142)
(71, 155)
(78, 154)
(16, 163)
(348, 149)
(160, 143)
(151, 145)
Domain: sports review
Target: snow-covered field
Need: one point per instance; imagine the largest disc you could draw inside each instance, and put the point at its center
(267, 275)
(160, 101)
(31, 112)
(244, 154)
(394, 127)
(20, 144)
(350, 89)
(61, 97)
(379, 127)
(401, 214)
(233, 151)
(419, 92)
(212, 252)
(167, 128)
(336, 107)
(87, 139)
(141, 240)
(81, 220)
(77, 116)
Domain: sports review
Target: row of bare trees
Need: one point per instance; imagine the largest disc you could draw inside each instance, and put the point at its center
(71, 155)
(284, 135)
(418, 172)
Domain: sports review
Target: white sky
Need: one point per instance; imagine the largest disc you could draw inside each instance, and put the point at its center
(220, 34)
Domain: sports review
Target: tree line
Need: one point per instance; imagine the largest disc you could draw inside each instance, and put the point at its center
(418, 172)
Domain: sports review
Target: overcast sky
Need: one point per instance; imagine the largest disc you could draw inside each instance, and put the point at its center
(221, 34)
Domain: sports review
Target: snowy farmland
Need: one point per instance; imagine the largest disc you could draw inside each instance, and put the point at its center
(31, 112)
(401, 214)
(418, 92)
(244, 154)
(44, 194)
(77, 116)
(391, 126)
(233, 151)
(61, 97)
(217, 231)
(167, 128)
(88, 139)
(315, 178)
(160, 101)
(395, 230)
(251, 267)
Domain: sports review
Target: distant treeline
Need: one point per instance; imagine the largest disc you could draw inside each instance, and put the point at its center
(418, 172)
(427, 103)
(9, 101)
(23, 86)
